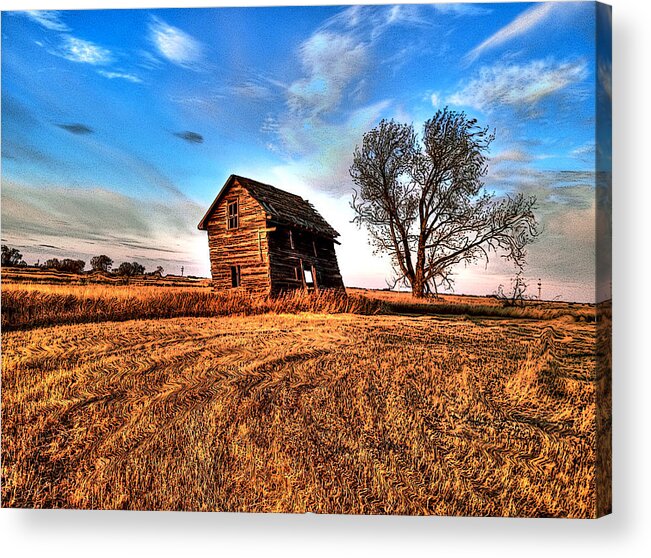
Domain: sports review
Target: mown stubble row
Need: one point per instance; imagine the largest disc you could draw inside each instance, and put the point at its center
(296, 413)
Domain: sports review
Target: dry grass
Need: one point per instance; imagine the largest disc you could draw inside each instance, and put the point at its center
(294, 413)
(26, 305)
(485, 306)
(38, 305)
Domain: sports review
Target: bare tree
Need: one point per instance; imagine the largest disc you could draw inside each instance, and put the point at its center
(517, 295)
(426, 205)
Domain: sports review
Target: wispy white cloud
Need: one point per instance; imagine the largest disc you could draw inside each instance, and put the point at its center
(331, 61)
(520, 25)
(342, 48)
(512, 156)
(321, 152)
(335, 81)
(148, 61)
(86, 52)
(120, 75)
(250, 90)
(461, 9)
(196, 102)
(50, 19)
(369, 23)
(175, 45)
(435, 99)
(520, 86)
(584, 152)
(405, 14)
(269, 125)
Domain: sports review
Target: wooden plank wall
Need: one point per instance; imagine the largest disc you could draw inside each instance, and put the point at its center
(284, 259)
(246, 246)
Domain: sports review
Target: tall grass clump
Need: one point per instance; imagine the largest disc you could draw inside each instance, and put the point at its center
(24, 308)
(491, 311)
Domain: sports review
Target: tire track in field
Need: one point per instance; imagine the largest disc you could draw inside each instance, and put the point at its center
(526, 448)
(120, 359)
(139, 381)
(547, 358)
(136, 382)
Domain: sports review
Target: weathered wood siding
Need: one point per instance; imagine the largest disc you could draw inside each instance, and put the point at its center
(246, 246)
(285, 260)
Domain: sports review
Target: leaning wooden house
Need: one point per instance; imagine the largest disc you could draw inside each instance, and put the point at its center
(265, 240)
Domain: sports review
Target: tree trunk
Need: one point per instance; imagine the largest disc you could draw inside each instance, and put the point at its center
(418, 284)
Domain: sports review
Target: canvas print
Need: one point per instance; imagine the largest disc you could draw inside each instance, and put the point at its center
(330, 259)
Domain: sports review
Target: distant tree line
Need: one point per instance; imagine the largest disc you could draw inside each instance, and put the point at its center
(67, 264)
(101, 263)
(128, 269)
(12, 257)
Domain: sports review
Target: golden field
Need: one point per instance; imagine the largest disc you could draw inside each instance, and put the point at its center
(340, 406)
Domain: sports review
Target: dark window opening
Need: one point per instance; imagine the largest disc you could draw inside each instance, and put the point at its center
(236, 277)
(233, 215)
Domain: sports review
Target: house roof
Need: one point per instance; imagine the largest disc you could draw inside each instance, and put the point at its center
(281, 207)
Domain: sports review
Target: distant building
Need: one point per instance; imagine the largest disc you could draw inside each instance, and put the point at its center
(265, 240)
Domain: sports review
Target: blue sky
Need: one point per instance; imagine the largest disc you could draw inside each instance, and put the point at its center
(120, 126)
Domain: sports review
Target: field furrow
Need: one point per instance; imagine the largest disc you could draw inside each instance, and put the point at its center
(308, 412)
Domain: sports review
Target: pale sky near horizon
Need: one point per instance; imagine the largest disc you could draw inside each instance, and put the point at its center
(119, 127)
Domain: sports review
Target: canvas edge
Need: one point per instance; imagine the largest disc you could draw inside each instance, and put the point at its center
(603, 259)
